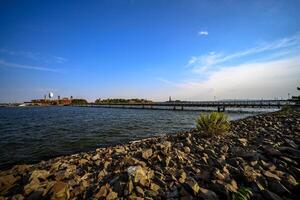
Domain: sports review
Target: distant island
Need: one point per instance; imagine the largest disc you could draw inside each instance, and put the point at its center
(54, 102)
(122, 101)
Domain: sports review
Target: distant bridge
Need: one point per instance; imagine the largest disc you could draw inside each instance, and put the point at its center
(181, 105)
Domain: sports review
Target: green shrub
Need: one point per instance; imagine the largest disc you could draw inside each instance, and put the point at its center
(213, 123)
(286, 109)
(242, 193)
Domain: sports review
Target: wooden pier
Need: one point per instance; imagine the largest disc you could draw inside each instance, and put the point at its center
(181, 105)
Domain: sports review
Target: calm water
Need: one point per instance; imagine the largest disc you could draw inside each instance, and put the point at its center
(32, 134)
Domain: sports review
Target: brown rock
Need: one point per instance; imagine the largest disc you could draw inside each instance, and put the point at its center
(83, 161)
(192, 184)
(154, 187)
(102, 174)
(139, 191)
(40, 174)
(17, 197)
(96, 157)
(6, 182)
(181, 175)
(60, 191)
(206, 194)
(112, 195)
(243, 141)
(232, 186)
(269, 174)
(137, 174)
(120, 149)
(187, 149)
(103, 191)
(218, 175)
(147, 153)
(32, 186)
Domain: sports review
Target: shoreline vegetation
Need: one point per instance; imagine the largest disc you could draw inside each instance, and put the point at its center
(257, 158)
(123, 101)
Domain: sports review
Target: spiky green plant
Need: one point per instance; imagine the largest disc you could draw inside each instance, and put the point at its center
(213, 123)
(242, 193)
(286, 109)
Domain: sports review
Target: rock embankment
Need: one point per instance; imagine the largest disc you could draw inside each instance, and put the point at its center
(261, 153)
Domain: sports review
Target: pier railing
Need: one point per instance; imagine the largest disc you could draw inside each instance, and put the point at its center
(181, 105)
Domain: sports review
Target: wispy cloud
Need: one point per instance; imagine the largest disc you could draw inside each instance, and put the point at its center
(266, 70)
(203, 33)
(267, 79)
(279, 47)
(3, 63)
(35, 56)
(60, 59)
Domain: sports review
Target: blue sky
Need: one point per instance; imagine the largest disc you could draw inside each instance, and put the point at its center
(192, 50)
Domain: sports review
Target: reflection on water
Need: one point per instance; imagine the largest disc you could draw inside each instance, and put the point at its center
(31, 134)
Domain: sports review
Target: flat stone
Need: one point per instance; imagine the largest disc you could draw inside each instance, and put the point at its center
(138, 174)
(206, 194)
(147, 153)
(291, 143)
(60, 191)
(102, 174)
(290, 151)
(187, 149)
(232, 186)
(269, 174)
(243, 141)
(181, 176)
(32, 186)
(154, 187)
(192, 183)
(40, 174)
(278, 188)
(120, 149)
(269, 150)
(218, 175)
(102, 192)
(18, 197)
(268, 195)
(83, 161)
(36, 195)
(112, 195)
(140, 191)
(6, 182)
(96, 157)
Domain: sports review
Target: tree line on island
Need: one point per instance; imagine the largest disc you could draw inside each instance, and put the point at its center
(122, 101)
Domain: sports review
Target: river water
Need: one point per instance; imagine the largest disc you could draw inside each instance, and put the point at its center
(28, 135)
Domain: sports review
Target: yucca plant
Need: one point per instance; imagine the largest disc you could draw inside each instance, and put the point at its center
(213, 123)
(286, 109)
(242, 193)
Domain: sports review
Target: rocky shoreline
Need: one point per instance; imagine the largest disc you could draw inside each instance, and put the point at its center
(261, 153)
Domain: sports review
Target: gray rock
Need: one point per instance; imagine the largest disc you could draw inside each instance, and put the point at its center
(206, 194)
(268, 195)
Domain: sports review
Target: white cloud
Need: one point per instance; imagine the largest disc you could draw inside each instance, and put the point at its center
(60, 59)
(266, 80)
(279, 47)
(3, 63)
(203, 33)
(35, 56)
